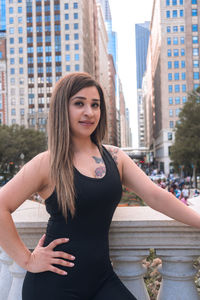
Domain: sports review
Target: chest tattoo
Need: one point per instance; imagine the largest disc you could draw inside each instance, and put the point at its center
(101, 170)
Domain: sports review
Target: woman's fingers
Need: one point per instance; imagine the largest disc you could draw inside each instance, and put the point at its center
(57, 242)
(62, 262)
(63, 255)
(41, 241)
(56, 270)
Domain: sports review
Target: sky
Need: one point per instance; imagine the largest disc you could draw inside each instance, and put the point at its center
(125, 14)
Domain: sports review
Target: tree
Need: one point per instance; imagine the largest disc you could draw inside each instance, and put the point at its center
(16, 140)
(186, 149)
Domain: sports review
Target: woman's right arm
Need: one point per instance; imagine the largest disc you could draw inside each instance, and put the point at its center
(30, 179)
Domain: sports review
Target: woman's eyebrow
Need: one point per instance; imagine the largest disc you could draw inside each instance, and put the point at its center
(83, 98)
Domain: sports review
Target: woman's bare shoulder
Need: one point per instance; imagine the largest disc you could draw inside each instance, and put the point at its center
(115, 153)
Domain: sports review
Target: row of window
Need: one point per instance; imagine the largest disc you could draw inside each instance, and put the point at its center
(11, 20)
(19, 10)
(174, 13)
(75, 16)
(48, 69)
(47, 28)
(76, 57)
(178, 76)
(177, 88)
(176, 111)
(12, 61)
(176, 64)
(13, 112)
(175, 28)
(75, 5)
(11, 30)
(20, 40)
(177, 100)
(12, 71)
(174, 2)
(76, 68)
(176, 40)
(176, 52)
(67, 26)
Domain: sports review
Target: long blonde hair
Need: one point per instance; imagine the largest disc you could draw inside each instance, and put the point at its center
(59, 139)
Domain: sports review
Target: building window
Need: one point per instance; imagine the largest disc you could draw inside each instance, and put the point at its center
(68, 68)
(20, 30)
(77, 67)
(182, 39)
(75, 16)
(195, 27)
(182, 52)
(66, 16)
(169, 52)
(66, 6)
(168, 28)
(167, 2)
(57, 17)
(12, 61)
(171, 113)
(174, 13)
(12, 71)
(75, 5)
(176, 64)
(170, 89)
(169, 76)
(58, 69)
(76, 46)
(181, 2)
(175, 41)
(195, 63)
(11, 40)
(21, 71)
(177, 100)
(176, 76)
(12, 51)
(195, 51)
(174, 2)
(196, 75)
(168, 41)
(76, 57)
(169, 64)
(183, 76)
(182, 28)
(177, 111)
(194, 12)
(11, 30)
(20, 50)
(76, 36)
(195, 39)
(22, 111)
(181, 13)
(13, 111)
(170, 100)
(168, 14)
(67, 37)
(75, 26)
(19, 10)
(171, 124)
(175, 28)
(67, 47)
(183, 64)
(177, 88)
(20, 40)
(176, 52)
(184, 88)
(67, 57)
(194, 1)
(66, 26)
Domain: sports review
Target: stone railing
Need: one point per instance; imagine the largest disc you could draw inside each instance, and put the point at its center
(134, 230)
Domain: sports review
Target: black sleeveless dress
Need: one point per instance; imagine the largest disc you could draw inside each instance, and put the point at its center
(92, 277)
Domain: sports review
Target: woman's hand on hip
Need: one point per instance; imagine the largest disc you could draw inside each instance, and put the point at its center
(44, 258)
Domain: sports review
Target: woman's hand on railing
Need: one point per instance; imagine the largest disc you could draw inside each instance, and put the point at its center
(44, 258)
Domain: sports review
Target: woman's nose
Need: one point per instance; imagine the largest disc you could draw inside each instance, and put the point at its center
(88, 110)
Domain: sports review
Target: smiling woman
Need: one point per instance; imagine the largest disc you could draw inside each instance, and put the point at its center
(81, 180)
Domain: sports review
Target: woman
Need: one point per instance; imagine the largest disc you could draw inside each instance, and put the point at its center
(81, 182)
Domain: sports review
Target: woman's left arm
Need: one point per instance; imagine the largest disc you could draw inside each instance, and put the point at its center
(156, 197)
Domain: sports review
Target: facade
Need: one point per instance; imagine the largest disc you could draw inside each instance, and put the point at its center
(142, 33)
(3, 96)
(45, 40)
(174, 55)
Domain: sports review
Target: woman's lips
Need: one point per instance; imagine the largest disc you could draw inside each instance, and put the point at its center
(86, 123)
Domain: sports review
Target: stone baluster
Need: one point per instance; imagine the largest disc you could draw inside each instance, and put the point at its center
(128, 266)
(178, 275)
(5, 275)
(18, 274)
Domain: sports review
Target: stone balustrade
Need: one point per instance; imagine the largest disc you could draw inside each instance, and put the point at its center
(134, 230)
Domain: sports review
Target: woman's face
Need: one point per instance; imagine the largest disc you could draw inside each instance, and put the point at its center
(84, 112)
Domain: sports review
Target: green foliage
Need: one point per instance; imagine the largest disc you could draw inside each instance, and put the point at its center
(186, 149)
(131, 199)
(15, 140)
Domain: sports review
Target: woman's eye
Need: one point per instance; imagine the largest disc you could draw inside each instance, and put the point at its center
(95, 105)
(78, 103)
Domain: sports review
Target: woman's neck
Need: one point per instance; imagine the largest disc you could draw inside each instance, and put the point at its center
(82, 145)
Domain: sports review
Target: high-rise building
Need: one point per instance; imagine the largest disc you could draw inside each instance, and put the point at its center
(2, 16)
(174, 67)
(142, 33)
(45, 40)
(3, 112)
